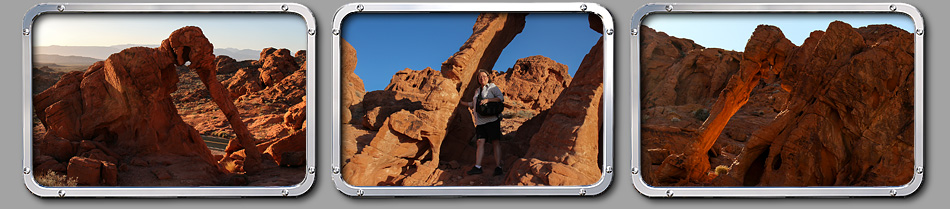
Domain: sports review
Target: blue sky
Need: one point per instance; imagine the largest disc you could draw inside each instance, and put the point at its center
(388, 43)
(732, 31)
(240, 31)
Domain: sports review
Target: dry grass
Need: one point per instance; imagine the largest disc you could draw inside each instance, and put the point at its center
(51, 179)
(518, 114)
(233, 166)
(722, 170)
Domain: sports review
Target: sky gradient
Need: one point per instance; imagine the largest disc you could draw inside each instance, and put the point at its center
(225, 30)
(388, 43)
(731, 31)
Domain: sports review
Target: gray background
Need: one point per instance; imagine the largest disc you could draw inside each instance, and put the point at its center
(620, 194)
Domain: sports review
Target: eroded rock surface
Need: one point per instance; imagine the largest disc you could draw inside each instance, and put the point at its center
(566, 150)
(131, 127)
(816, 114)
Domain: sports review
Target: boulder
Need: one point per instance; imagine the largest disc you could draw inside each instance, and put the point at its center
(290, 150)
(86, 171)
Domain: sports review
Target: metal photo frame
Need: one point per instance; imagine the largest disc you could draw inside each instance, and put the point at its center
(607, 132)
(664, 8)
(139, 8)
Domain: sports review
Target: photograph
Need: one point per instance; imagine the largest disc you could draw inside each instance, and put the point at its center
(777, 100)
(471, 99)
(168, 99)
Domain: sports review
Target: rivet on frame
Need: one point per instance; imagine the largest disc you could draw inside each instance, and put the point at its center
(635, 170)
(61, 193)
(336, 31)
(893, 192)
(669, 193)
(359, 192)
(336, 170)
(61, 7)
(669, 7)
(284, 192)
(26, 31)
(893, 7)
(583, 7)
(359, 7)
(311, 31)
(610, 169)
(284, 7)
(919, 170)
(920, 31)
(610, 31)
(634, 31)
(26, 170)
(583, 192)
(311, 170)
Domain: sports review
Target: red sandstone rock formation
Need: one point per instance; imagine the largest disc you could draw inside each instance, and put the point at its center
(534, 82)
(848, 127)
(124, 103)
(43, 78)
(847, 119)
(694, 75)
(658, 53)
(416, 119)
(566, 150)
(353, 89)
(406, 150)
(492, 33)
(273, 66)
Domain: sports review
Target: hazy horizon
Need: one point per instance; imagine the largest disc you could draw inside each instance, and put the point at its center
(252, 31)
(103, 52)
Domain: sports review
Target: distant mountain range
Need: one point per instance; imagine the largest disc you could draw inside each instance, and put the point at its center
(103, 52)
(59, 60)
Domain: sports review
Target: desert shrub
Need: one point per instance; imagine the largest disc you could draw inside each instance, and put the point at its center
(221, 134)
(518, 114)
(722, 170)
(52, 179)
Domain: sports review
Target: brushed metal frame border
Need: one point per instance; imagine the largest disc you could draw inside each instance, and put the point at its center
(919, 120)
(211, 191)
(583, 190)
